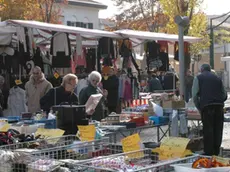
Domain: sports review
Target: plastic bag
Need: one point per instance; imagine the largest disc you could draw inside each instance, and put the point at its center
(174, 124)
(158, 110)
(92, 103)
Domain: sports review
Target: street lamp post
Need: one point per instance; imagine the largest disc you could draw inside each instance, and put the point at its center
(182, 22)
(211, 50)
(211, 45)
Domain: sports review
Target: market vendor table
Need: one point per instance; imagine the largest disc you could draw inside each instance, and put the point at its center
(148, 133)
(195, 118)
(196, 122)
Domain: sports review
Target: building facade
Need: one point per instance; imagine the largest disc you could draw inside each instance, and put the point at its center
(81, 13)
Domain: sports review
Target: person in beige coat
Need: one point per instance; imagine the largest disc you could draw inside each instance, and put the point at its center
(36, 88)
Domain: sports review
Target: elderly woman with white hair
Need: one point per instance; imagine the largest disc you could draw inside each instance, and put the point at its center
(63, 94)
(94, 80)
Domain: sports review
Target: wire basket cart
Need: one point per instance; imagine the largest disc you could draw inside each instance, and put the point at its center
(65, 147)
(225, 152)
(138, 161)
(24, 162)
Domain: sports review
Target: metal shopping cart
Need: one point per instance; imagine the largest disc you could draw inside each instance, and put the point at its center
(66, 147)
(55, 149)
(138, 161)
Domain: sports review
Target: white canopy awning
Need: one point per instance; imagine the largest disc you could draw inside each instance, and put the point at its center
(225, 59)
(92, 33)
(143, 35)
(62, 28)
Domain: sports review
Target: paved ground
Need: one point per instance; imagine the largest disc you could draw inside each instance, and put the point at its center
(150, 135)
(226, 132)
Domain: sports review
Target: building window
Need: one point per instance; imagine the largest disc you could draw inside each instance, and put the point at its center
(80, 24)
(68, 23)
(90, 25)
(83, 25)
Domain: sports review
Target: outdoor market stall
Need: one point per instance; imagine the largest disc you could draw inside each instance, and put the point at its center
(138, 115)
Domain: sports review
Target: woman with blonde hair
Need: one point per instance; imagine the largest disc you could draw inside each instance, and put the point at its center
(63, 94)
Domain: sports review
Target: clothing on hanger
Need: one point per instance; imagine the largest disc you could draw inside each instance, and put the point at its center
(17, 102)
(126, 48)
(165, 61)
(31, 41)
(60, 42)
(79, 46)
(152, 50)
(163, 46)
(61, 60)
(106, 47)
(21, 35)
(90, 60)
(81, 61)
(38, 61)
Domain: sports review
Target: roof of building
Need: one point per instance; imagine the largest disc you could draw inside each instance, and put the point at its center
(87, 3)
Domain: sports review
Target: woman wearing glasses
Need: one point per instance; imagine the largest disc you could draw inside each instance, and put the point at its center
(63, 94)
(93, 88)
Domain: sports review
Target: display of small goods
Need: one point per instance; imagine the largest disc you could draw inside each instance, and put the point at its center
(112, 118)
(212, 162)
(192, 110)
(121, 163)
(43, 165)
(127, 117)
(141, 108)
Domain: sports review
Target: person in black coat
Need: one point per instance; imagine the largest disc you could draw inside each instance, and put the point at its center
(61, 95)
(154, 84)
(111, 85)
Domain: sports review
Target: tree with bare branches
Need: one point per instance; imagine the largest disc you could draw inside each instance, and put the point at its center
(140, 14)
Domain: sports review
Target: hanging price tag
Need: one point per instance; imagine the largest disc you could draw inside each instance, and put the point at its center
(4, 126)
(56, 75)
(172, 147)
(52, 136)
(87, 132)
(132, 143)
(18, 82)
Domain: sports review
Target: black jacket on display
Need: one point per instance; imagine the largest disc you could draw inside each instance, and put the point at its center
(38, 61)
(106, 47)
(153, 50)
(164, 57)
(111, 85)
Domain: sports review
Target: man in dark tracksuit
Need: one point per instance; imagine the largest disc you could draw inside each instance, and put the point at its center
(209, 96)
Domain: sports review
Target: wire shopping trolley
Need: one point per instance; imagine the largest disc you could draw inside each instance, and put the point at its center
(138, 161)
(53, 150)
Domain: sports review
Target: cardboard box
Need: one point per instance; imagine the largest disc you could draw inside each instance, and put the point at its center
(172, 104)
(193, 116)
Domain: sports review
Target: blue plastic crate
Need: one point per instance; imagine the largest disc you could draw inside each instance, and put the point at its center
(12, 119)
(159, 119)
(49, 123)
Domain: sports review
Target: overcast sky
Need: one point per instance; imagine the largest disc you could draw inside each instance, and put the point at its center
(210, 7)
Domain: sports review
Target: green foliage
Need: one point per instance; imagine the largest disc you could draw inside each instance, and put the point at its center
(198, 21)
(222, 36)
